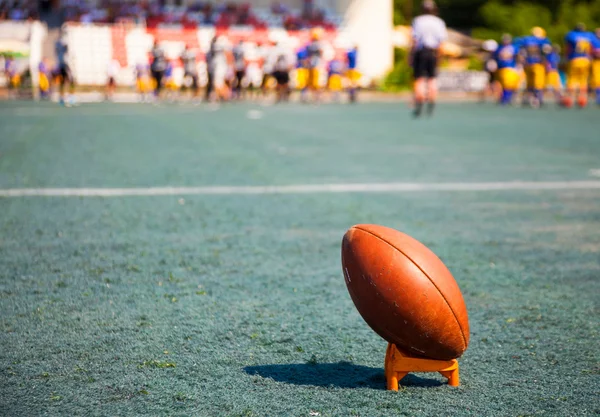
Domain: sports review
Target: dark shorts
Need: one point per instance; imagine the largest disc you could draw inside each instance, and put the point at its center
(111, 81)
(425, 63)
(282, 77)
(65, 72)
(158, 76)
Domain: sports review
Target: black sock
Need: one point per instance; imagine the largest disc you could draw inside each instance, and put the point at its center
(430, 107)
(418, 108)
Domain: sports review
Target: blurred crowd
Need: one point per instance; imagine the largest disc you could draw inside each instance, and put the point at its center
(534, 65)
(246, 71)
(156, 12)
(227, 71)
(19, 9)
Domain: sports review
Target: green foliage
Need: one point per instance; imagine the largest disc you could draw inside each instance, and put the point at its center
(400, 77)
(399, 18)
(404, 11)
(475, 63)
(557, 17)
(460, 13)
(515, 17)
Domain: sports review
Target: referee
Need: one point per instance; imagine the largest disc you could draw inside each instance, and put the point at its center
(429, 31)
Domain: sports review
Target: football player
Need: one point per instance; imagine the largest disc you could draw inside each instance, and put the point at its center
(314, 52)
(335, 70)
(552, 61)
(301, 70)
(352, 73)
(506, 58)
(239, 64)
(63, 70)
(596, 64)
(578, 50)
(190, 70)
(531, 47)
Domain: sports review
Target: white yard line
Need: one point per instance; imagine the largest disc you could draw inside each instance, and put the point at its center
(400, 187)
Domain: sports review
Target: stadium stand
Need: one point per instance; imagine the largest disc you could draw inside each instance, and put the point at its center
(100, 32)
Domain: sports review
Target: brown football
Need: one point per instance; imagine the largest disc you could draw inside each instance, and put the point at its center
(405, 292)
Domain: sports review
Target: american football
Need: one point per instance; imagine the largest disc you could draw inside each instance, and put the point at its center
(405, 292)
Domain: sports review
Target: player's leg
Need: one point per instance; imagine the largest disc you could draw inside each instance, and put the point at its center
(110, 88)
(584, 83)
(210, 85)
(264, 85)
(596, 79)
(432, 91)
(302, 82)
(551, 84)
(419, 83)
(221, 89)
(239, 79)
(66, 78)
(195, 86)
(354, 80)
(157, 76)
(285, 85)
(316, 84)
(186, 83)
(61, 85)
(71, 85)
(509, 80)
(539, 78)
(574, 76)
(528, 93)
(44, 85)
(334, 84)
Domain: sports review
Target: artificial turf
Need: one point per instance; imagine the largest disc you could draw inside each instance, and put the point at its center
(235, 305)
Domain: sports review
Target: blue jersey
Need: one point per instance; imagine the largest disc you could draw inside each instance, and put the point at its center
(531, 47)
(506, 56)
(352, 57)
(42, 68)
(10, 67)
(336, 67)
(596, 47)
(579, 44)
(301, 56)
(553, 60)
(61, 49)
(169, 70)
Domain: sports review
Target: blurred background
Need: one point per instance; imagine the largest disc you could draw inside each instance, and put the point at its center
(100, 33)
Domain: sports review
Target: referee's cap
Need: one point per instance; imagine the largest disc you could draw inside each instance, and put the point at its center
(429, 6)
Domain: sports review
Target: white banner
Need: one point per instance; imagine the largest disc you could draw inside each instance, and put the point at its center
(465, 81)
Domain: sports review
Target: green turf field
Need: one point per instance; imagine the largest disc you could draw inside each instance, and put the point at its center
(235, 304)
